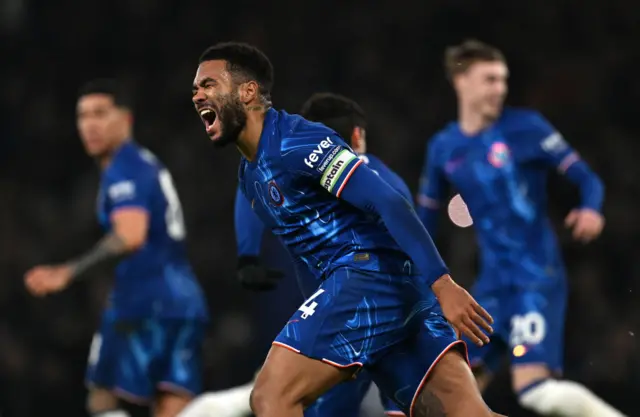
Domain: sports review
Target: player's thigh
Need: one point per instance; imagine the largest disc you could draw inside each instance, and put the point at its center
(169, 405)
(287, 377)
(177, 368)
(342, 400)
(100, 400)
(450, 390)
(537, 328)
(401, 372)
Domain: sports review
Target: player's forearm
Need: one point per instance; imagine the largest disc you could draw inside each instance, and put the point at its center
(400, 218)
(591, 186)
(111, 247)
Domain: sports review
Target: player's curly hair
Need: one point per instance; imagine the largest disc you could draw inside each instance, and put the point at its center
(335, 111)
(245, 62)
(110, 87)
(458, 58)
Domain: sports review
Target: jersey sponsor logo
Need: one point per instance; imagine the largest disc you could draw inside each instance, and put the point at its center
(319, 151)
(275, 194)
(327, 159)
(554, 143)
(123, 190)
(498, 154)
(334, 171)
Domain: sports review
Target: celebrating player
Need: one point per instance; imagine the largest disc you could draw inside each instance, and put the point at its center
(348, 120)
(149, 344)
(375, 263)
(498, 160)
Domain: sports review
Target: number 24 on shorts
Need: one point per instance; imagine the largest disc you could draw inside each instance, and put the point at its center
(309, 306)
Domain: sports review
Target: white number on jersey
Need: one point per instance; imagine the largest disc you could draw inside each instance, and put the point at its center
(529, 329)
(173, 216)
(94, 351)
(309, 306)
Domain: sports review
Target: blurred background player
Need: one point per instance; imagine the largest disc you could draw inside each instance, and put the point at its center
(498, 160)
(148, 348)
(346, 118)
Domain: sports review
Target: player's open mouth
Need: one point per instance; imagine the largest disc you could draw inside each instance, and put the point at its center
(209, 117)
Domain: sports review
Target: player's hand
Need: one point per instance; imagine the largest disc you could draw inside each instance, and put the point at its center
(43, 280)
(462, 311)
(587, 224)
(255, 276)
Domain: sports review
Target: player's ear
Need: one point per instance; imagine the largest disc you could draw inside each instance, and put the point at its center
(458, 81)
(357, 138)
(249, 91)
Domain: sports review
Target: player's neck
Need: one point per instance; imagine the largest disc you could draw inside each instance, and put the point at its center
(249, 138)
(105, 160)
(471, 122)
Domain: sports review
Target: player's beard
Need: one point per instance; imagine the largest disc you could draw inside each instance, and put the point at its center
(233, 119)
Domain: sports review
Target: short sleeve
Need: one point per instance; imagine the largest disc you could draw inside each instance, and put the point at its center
(326, 159)
(129, 190)
(544, 143)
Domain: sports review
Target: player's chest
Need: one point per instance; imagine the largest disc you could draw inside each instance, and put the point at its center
(481, 162)
(272, 194)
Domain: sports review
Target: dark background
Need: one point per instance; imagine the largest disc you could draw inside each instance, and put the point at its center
(576, 61)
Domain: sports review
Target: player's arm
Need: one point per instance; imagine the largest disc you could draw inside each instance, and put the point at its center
(549, 146)
(343, 174)
(249, 231)
(431, 191)
(130, 227)
(128, 198)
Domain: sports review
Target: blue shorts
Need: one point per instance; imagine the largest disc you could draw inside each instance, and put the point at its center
(387, 322)
(136, 359)
(345, 399)
(528, 323)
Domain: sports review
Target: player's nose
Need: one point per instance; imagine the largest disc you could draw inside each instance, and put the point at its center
(198, 97)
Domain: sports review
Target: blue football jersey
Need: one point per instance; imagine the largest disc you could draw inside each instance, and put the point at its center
(156, 280)
(250, 229)
(292, 184)
(501, 174)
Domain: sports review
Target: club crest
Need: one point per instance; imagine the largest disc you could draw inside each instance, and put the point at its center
(275, 194)
(498, 154)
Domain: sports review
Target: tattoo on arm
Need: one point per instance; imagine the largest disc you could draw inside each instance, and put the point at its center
(108, 248)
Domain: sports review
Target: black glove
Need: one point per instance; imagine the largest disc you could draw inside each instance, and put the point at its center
(255, 276)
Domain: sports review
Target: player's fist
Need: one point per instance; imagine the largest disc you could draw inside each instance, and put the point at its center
(462, 311)
(43, 280)
(255, 276)
(587, 224)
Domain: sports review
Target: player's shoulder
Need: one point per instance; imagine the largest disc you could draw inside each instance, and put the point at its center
(443, 137)
(519, 118)
(297, 132)
(133, 160)
(370, 159)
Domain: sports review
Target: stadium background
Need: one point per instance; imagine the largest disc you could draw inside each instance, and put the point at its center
(576, 61)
